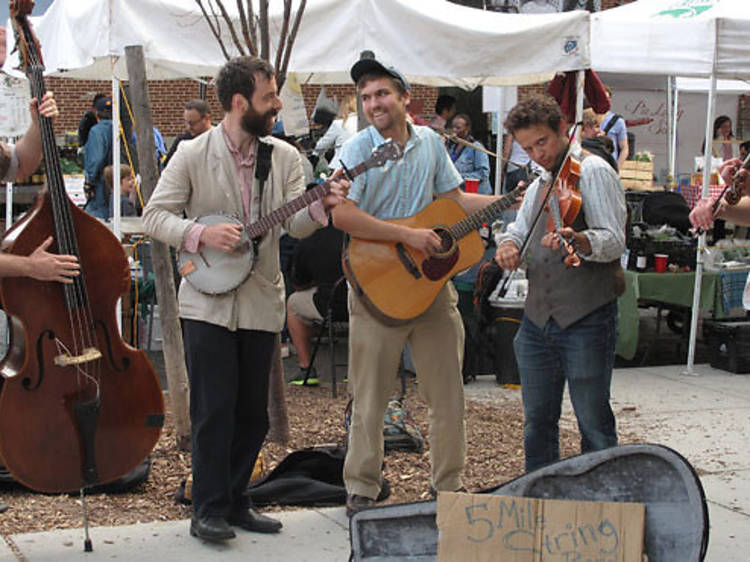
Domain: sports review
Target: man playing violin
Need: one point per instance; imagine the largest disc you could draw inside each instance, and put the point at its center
(703, 214)
(568, 330)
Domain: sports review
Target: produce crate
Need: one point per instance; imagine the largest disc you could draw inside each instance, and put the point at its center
(728, 344)
(637, 175)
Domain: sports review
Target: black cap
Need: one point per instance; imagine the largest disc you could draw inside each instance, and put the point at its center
(365, 65)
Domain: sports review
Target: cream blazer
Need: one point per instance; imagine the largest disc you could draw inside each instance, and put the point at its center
(201, 179)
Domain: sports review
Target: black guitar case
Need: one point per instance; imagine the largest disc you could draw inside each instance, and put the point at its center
(657, 476)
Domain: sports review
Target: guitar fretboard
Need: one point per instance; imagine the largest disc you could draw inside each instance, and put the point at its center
(477, 219)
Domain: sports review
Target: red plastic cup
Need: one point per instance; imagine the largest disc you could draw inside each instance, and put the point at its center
(471, 185)
(660, 262)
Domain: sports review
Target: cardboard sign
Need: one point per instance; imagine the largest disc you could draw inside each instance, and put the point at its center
(485, 527)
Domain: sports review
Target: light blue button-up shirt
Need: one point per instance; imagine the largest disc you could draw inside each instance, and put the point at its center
(404, 187)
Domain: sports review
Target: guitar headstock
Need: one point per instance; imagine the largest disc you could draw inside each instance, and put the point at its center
(389, 150)
(29, 50)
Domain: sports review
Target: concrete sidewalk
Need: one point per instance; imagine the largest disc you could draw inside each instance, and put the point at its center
(706, 418)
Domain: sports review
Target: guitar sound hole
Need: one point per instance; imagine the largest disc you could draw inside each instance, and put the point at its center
(446, 241)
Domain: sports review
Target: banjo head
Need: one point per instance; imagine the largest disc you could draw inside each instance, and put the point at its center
(215, 272)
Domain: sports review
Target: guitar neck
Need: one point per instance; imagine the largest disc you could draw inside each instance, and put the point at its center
(485, 215)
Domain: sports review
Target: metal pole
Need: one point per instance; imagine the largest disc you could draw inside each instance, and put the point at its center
(499, 148)
(702, 239)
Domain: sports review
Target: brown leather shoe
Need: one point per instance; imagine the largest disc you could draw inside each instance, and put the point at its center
(251, 520)
(355, 503)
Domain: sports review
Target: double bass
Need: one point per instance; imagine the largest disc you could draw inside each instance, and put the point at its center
(78, 406)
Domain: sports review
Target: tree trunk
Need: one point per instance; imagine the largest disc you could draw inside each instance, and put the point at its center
(278, 431)
(174, 355)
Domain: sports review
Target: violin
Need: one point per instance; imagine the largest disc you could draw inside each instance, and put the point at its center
(731, 193)
(78, 406)
(564, 203)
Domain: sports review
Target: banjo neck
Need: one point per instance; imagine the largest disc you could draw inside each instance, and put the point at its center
(276, 217)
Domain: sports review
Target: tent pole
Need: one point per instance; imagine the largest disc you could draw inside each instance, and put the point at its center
(580, 80)
(702, 239)
(670, 132)
(115, 152)
(499, 164)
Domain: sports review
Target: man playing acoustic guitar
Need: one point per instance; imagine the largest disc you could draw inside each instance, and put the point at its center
(568, 328)
(235, 169)
(401, 189)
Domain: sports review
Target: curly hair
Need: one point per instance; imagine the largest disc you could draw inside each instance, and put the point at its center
(238, 77)
(535, 110)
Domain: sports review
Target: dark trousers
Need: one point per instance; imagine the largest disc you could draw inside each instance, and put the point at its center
(228, 374)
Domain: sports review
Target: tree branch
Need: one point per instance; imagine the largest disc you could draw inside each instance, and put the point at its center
(245, 30)
(214, 26)
(290, 42)
(282, 40)
(264, 36)
(230, 25)
(253, 28)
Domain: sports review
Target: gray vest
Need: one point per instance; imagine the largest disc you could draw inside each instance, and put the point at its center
(565, 294)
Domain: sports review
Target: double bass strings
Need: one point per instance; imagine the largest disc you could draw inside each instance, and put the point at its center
(79, 311)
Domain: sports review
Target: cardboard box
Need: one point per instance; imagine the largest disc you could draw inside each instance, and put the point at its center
(485, 527)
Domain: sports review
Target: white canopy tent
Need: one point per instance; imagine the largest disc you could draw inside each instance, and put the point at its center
(667, 37)
(434, 42)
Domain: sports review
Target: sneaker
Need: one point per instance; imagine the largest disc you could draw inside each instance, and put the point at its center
(312, 379)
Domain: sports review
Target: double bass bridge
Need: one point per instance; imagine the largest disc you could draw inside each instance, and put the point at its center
(88, 355)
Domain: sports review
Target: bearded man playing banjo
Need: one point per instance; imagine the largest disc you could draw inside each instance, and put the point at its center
(234, 169)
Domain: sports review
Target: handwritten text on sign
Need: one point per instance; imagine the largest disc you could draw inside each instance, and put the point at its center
(491, 527)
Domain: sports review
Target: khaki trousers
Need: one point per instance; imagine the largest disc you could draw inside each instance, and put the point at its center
(437, 344)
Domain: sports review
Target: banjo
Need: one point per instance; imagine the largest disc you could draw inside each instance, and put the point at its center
(214, 272)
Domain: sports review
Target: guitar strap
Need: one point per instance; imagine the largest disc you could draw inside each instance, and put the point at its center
(262, 168)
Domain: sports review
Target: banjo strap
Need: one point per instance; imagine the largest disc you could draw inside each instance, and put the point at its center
(262, 168)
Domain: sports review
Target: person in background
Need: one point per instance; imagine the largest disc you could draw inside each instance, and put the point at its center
(720, 148)
(594, 141)
(445, 109)
(197, 117)
(129, 204)
(17, 162)
(470, 162)
(98, 154)
(401, 189)
(230, 338)
(744, 150)
(340, 129)
(614, 127)
(317, 267)
(87, 121)
(569, 325)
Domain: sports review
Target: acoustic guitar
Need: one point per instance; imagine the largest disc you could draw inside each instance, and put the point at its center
(397, 282)
(214, 272)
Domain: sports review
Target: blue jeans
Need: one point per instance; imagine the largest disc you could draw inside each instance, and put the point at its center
(583, 355)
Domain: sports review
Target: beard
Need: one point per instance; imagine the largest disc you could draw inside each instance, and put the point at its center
(258, 124)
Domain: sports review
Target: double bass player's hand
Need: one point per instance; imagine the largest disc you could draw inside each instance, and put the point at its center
(52, 267)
